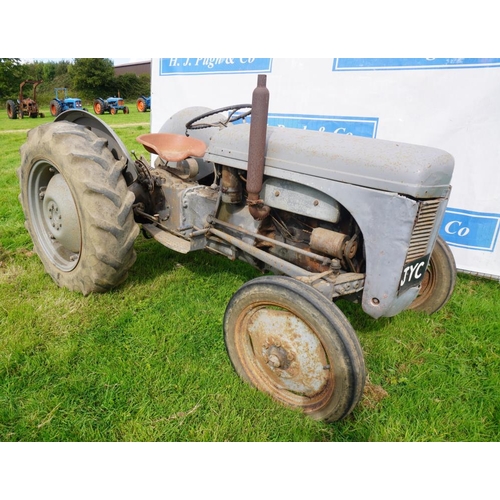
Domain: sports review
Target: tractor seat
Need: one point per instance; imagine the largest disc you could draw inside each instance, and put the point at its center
(172, 147)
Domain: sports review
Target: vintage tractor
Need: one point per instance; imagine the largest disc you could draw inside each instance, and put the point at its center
(110, 105)
(143, 104)
(60, 103)
(25, 106)
(324, 216)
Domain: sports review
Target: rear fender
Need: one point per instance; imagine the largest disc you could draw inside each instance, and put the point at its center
(101, 129)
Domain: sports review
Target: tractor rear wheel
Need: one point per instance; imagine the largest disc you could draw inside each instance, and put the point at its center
(55, 107)
(77, 207)
(141, 105)
(98, 107)
(11, 109)
(288, 340)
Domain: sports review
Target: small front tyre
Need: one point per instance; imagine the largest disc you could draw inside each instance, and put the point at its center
(288, 340)
(439, 280)
(77, 207)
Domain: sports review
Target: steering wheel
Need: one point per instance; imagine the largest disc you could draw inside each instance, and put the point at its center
(192, 125)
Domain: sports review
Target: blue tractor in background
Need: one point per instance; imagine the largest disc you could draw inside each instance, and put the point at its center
(111, 105)
(143, 104)
(58, 105)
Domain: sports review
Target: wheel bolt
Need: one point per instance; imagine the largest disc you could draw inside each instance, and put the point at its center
(274, 361)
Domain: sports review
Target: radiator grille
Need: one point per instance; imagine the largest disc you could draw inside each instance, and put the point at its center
(426, 218)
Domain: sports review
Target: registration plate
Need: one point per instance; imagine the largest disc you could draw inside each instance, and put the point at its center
(413, 273)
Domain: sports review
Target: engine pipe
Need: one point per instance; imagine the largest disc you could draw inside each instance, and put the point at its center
(257, 149)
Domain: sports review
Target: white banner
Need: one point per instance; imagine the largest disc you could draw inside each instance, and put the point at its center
(451, 104)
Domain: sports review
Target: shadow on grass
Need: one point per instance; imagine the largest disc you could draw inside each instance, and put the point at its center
(155, 260)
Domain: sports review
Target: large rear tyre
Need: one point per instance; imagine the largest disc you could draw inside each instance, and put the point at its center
(439, 280)
(288, 340)
(99, 107)
(141, 105)
(77, 207)
(11, 109)
(55, 107)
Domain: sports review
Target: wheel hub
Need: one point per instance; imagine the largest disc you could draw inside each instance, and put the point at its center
(61, 216)
(277, 357)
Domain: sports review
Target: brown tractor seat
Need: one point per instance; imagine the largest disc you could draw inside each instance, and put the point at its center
(172, 147)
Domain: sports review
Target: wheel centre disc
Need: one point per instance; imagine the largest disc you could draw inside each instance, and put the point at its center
(288, 352)
(60, 214)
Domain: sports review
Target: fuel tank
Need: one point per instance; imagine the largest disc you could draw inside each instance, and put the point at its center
(412, 170)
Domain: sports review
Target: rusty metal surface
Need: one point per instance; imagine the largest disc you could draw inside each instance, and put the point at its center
(324, 261)
(328, 242)
(257, 149)
(231, 188)
(276, 263)
(288, 352)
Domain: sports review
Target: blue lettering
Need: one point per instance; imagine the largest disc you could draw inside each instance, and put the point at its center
(451, 229)
(212, 65)
(471, 230)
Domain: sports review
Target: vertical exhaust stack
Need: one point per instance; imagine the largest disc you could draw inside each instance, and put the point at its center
(257, 149)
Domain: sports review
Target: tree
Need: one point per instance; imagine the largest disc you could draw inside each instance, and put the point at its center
(131, 85)
(93, 77)
(11, 75)
(49, 71)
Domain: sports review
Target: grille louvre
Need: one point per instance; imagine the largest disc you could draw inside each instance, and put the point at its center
(426, 218)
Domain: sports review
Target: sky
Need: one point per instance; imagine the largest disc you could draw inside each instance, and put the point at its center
(117, 60)
(352, 29)
(121, 60)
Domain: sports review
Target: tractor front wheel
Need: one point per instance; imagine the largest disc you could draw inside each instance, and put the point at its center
(77, 207)
(288, 340)
(439, 280)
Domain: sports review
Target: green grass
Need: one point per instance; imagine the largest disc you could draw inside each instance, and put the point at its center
(147, 362)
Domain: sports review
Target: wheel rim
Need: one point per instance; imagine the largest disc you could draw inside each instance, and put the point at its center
(427, 286)
(54, 216)
(283, 356)
(141, 106)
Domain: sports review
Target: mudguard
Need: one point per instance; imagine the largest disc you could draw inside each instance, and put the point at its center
(101, 129)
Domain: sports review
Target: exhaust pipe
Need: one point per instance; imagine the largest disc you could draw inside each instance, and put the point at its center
(257, 149)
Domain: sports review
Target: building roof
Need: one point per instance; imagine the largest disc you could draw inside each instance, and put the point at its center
(138, 68)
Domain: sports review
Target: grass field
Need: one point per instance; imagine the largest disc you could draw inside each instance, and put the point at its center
(147, 362)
